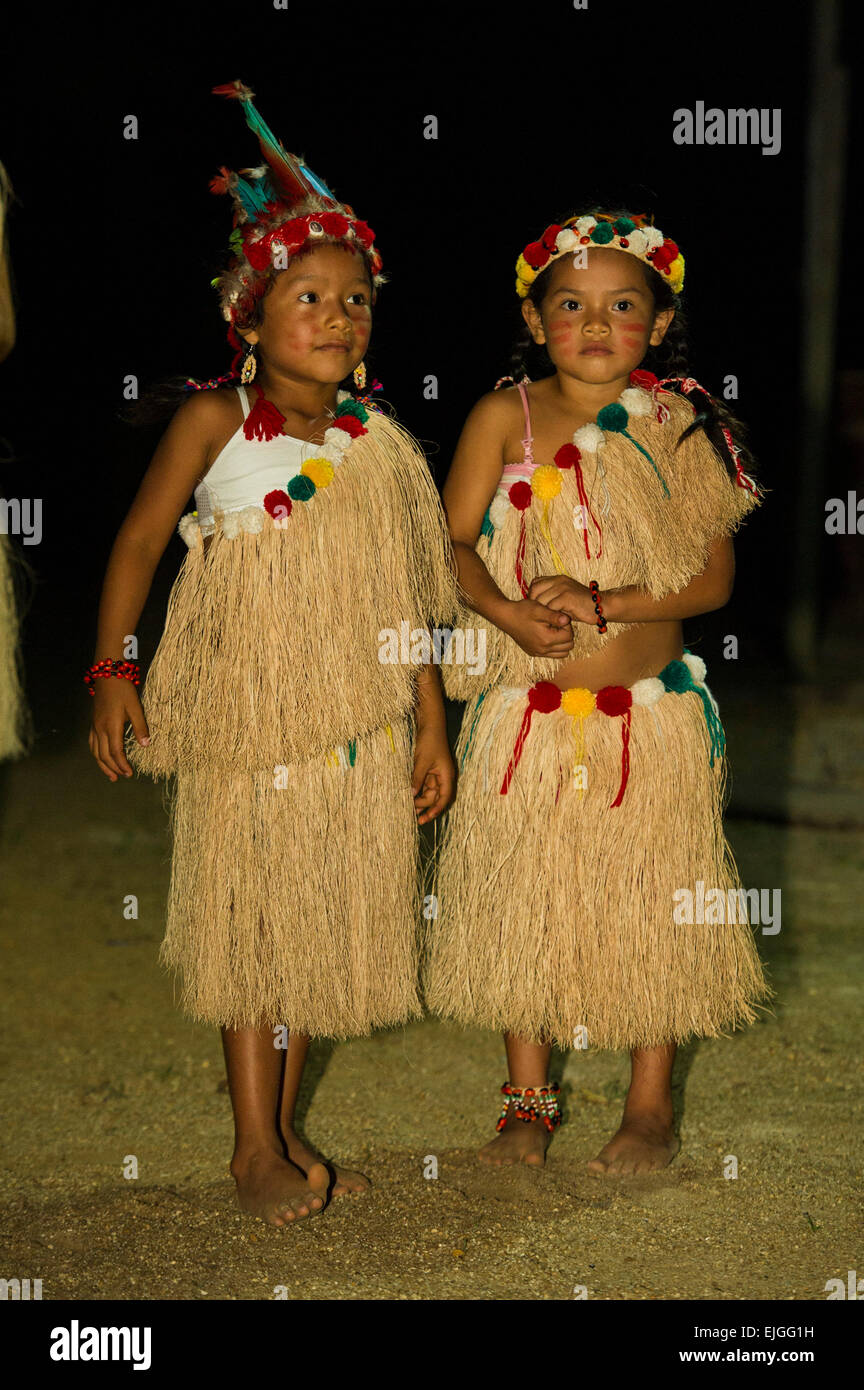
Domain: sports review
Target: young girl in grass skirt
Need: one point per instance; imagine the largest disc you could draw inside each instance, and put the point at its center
(300, 761)
(591, 755)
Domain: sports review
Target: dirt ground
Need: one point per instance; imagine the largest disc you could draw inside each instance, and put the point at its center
(100, 1065)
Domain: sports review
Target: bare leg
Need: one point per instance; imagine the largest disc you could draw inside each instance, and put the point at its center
(518, 1142)
(646, 1139)
(268, 1184)
(300, 1152)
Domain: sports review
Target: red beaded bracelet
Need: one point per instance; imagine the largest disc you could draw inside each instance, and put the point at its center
(595, 594)
(128, 670)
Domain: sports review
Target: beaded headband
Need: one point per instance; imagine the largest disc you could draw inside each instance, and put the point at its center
(630, 234)
(279, 208)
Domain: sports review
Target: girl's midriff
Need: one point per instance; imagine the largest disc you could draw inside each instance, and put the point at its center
(639, 652)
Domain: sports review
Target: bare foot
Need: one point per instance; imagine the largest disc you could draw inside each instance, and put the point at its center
(643, 1144)
(345, 1181)
(277, 1190)
(517, 1142)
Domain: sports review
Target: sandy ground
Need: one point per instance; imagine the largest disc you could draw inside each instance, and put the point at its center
(99, 1065)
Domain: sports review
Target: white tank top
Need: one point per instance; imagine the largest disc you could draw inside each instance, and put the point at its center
(247, 469)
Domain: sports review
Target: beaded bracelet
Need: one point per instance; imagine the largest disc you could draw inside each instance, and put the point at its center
(531, 1103)
(595, 594)
(128, 670)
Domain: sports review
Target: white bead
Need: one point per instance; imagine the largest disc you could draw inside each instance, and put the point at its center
(499, 510)
(589, 438)
(648, 691)
(696, 666)
(636, 401)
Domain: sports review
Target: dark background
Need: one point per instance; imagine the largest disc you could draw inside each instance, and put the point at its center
(541, 107)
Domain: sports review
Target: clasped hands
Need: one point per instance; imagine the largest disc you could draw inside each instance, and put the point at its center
(542, 623)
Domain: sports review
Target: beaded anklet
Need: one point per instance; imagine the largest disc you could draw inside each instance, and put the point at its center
(594, 588)
(531, 1103)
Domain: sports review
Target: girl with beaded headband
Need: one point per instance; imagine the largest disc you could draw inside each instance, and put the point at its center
(300, 761)
(591, 512)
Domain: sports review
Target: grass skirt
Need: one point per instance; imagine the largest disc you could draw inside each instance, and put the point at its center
(298, 904)
(555, 909)
(15, 728)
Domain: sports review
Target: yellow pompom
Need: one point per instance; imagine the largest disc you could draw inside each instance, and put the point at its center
(320, 470)
(546, 482)
(676, 274)
(578, 702)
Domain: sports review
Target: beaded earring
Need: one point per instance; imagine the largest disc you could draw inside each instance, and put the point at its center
(360, 375)
(250, 366)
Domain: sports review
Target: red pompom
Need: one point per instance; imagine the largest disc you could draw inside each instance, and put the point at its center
(545, 696)
(334, 223)
(350, 424)
(258, 253)
(536, 255)
(278, 504)
(647, 380)
(520, 495)
(549, 236)
(363, 233)
(568, 456)
(614, 699)
(662, 257)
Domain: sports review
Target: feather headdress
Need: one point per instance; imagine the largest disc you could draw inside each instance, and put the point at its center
(280, 208)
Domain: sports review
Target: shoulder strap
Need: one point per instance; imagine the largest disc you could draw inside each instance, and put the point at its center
(244, 400)
(528, 441)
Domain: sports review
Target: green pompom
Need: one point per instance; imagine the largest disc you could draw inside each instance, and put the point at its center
(301, 488)
(623, 226)
(354, 408)
(602, 233)
(613, 418)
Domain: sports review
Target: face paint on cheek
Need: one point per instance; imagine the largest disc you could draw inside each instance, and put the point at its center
(560, 332)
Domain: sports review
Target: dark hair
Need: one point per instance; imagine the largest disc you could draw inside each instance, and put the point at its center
(161, 399)
(670, 359)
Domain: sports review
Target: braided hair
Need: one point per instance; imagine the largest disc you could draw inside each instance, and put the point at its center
(671, 358)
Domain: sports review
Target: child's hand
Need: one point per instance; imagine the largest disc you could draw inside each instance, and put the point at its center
(114, 702)
(565, 595)
(433, 785)
(538, 629)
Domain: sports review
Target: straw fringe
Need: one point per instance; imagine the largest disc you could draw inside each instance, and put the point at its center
(14, 715)
(555, 916)
(298, 905)
(271, 645)
(653, 543)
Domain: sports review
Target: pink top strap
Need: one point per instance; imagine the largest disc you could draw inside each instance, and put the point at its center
(528, 441)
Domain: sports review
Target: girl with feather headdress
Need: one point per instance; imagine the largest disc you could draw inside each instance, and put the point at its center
(301, 761)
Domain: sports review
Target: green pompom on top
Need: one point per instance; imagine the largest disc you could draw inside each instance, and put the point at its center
(623, 226)
(613, 418)
(354, 408)
(301, 488)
